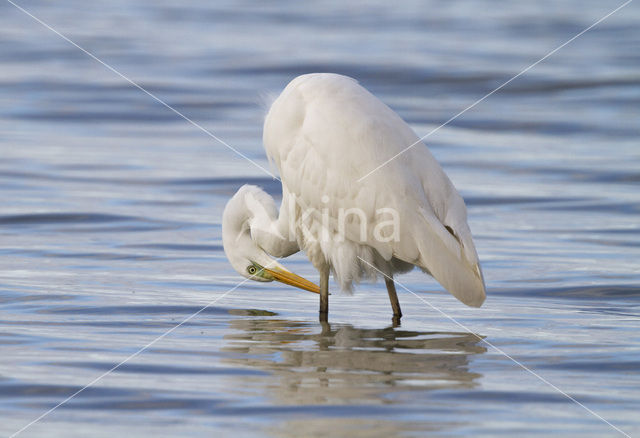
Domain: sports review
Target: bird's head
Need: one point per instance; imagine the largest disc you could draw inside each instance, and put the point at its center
(239, 230)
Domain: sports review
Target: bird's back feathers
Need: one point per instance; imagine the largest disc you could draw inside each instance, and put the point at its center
(324, 133)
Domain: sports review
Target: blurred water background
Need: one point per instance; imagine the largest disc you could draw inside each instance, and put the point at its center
(110, 209)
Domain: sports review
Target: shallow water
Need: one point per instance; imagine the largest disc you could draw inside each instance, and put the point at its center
(111, 206)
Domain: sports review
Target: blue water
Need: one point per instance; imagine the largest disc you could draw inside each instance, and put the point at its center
(110, 210)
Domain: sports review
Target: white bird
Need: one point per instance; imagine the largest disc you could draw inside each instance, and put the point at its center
(324, 133)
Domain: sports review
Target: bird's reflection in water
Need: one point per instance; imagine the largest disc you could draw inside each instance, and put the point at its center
(341, 364)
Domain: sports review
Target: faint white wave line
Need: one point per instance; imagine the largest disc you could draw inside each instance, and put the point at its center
(499, 350)
(144, 90)
(115, 367)
(497, 89)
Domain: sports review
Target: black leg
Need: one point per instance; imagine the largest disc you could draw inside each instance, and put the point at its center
(393, 297)
(324, 294)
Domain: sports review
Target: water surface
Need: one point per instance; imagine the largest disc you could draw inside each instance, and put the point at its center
(110, 209)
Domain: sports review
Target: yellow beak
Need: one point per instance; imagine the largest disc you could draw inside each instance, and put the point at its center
(292, 279)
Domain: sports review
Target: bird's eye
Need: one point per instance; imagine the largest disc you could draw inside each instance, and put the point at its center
(252, 269)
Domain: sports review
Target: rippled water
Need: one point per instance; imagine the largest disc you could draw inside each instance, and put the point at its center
(111, 206)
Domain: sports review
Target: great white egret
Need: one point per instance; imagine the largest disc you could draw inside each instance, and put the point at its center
(325, 133)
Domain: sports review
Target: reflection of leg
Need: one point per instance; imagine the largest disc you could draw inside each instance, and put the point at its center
(393, 297)
(324, 294)
(326, 332)
(325, 340)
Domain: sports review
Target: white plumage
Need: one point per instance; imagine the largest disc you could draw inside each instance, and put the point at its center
(325, 132)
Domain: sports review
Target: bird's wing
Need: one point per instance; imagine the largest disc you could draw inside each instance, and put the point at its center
(325, 132)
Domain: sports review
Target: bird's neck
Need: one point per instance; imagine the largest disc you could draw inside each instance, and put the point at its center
(273, 234)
